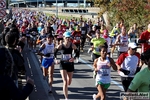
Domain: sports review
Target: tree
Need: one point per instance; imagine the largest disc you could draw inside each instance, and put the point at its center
(131, 11)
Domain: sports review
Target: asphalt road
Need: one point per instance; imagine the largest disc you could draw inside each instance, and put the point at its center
(82, 87)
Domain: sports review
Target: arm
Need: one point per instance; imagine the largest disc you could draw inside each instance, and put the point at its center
(117, 40)
(95, 64)
(17, 94)
(75, 50)
(112, 63)
(42, 47)
(88, 35)
(142, 39)
(57, 49)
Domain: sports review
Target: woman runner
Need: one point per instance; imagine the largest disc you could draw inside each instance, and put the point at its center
(102, 66)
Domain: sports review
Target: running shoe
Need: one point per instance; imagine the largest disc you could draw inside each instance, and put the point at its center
(77, 60)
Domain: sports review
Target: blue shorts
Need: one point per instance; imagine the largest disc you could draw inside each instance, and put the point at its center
(46, 62)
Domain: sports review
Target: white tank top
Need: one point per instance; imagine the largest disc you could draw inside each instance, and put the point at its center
(103, 74)
(123, 40)
(49, 48)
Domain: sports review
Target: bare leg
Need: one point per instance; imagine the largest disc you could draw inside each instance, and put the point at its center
(51, 71)
(65, 86)
(101, 93)
(69, 77)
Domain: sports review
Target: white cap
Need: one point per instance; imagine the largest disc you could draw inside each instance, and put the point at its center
(132, 45)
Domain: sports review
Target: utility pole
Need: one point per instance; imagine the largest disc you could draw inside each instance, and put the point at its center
(37, 3)
(84, 3)
(56, 8)
(78, 3)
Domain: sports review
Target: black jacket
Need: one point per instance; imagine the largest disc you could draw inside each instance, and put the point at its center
(9, 91)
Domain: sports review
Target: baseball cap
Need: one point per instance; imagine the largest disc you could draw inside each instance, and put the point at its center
(67, 34)
(132, 45)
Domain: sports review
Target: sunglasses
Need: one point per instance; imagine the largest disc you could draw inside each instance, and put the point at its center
(67, 37)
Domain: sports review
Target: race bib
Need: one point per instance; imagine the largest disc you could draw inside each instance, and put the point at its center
(66, 56)
(33, 33)
(125, 43)
(104, 72)
(83, 32)
(77, 38)
(97, 49)
(93, 36)
(60, 36)
(133, 39)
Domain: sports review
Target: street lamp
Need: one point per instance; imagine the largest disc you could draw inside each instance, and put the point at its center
(84, 3)
(37, 3)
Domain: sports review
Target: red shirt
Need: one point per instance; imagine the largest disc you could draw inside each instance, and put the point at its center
(145, 36)
(23, 28)
(76, 37)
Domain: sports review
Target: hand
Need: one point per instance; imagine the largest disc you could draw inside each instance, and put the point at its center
(95, 69)
(29, 80)
(108, 64)
(18, 48)
(71, 60)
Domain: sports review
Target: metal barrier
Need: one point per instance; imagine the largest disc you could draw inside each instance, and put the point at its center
(74, 10)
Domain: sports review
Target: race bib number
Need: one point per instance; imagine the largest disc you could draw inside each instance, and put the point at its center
(66, 56)
(125, 43)
(83, 32)
(77, 38)
(104, 72)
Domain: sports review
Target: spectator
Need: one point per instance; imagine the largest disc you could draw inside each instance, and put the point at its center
(8, 89)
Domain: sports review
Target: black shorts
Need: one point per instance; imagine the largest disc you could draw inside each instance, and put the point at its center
(68, 66)
(126, 82)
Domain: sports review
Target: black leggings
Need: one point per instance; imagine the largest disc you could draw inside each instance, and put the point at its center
(82, 42)
(126, 82)
(78, 47)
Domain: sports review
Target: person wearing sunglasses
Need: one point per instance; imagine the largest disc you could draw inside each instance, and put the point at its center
(67, 61)
(128, 65)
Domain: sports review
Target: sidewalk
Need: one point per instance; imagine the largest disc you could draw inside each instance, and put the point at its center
(33, 69)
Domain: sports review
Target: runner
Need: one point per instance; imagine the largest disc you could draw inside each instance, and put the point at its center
(102, 66)
(59, 32)
(47, 50)
(127, 64)
(145, 39)
(108, 40)
(141, 81)
(76, 40)
(122, 41)
(66, 62)
(96, 43)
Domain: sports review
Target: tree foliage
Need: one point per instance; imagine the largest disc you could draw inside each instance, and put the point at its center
(131, 11)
